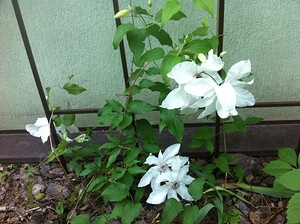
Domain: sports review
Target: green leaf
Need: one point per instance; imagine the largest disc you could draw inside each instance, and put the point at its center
(153, 86)
(127, 120)
(201, 31)
(73, 89)
(196, 188)
(136, 38)
(169, 9)
(150, 148)
(190, 214)
(153, 71)
(115, 192)
(69, 119)
(288, 155)
(140, 107)
(80, 219)
(140, 11)
(290, 180)
(153, 54)
(161, 35)
(120, 32)
(222, 163)
(132, 155)
(135, 170)
(171, 210)
(115, 106)
(253, 120)
(113, 156)
(169, 118)
(146, 130)
(177, 16)
(277, 167)
(167, 64)
(117, 173)
(102, 219)
(127, 211)
(204, 211)
(207, 5)
(97, 184)
(293, 209)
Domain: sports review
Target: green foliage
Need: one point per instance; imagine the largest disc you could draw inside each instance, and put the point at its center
(171, 210)
(207, 5)
(73, 88)
(127, 211)
(60, 208)
(203, 137)
(80, 219)
(169, 10)
(293, 209)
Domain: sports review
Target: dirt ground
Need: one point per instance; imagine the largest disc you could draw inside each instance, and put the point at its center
(34, 196)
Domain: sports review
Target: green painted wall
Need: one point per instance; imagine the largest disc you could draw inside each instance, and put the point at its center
(74, 38)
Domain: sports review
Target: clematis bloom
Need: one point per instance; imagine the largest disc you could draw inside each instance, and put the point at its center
(40, 128)
(161, 165)
(224, 97)
(173, 182)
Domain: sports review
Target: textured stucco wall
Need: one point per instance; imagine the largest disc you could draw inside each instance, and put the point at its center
(74, 38)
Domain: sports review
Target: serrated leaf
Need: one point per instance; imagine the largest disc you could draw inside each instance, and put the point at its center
(115, 192)
(80, 219)
(153, 54)
(288, 155)
(207, 5)
(140, 107)
(73, 89)
(120, 32)
(127, 211)
(277, 167)
(293, 209)
(169, 9)
(196, 188)
(290, 180)
(190, 214)
(167, 64)
(171, 210)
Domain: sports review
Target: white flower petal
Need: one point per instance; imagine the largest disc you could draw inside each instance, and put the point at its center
(173, 194)
(210, 109)
(243, 97)
(152, 160)
(226, 100)
(41, 129)
(238, 71)
(159, 194)
(200, 87)
(204, 102)
(184, 72)
(171, 151)
(182, 190)
(177, 98)
(148, 176)
(213, 62)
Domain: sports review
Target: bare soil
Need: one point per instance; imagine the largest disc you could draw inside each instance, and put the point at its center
(32, 197)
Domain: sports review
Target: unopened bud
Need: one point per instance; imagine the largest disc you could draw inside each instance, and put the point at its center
(186, 57)
(222, 53)
(202, 57)
(121, 13)
(150, 3)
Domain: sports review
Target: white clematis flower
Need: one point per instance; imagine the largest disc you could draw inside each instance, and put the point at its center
(174, 182)
(40, 128)
(162, 164)
(188, 71)
(223, 98)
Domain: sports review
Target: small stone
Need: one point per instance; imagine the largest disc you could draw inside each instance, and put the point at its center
(243, 208)
(38, 188)
(57, 190)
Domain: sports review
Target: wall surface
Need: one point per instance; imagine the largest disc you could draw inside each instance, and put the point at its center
(75, 38)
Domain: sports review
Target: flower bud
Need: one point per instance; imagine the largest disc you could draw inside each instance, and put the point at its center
(121, 13)
(222, 53)
(186, 57)
(202, 57)
(150, 3)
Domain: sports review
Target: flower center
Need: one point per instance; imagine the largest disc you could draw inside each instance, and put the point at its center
(175, 185)
(163, 168)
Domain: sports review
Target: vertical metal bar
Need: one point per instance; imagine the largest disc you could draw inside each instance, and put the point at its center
(122, 48)
(221, 8)
(36, 74)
